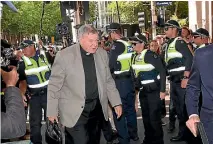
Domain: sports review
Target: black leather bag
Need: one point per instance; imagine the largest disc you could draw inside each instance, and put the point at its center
(53, 134)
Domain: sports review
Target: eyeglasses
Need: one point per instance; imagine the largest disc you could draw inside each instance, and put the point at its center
(196, 36)
(167, 28)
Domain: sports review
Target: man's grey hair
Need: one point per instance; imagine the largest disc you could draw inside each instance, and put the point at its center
(86, 29)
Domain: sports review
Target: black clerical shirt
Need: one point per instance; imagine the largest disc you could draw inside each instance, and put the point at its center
(91, 84)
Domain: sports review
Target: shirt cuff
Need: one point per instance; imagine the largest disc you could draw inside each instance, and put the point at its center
(193, 115)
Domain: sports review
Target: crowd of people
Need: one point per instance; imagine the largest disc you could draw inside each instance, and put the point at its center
(83, 83)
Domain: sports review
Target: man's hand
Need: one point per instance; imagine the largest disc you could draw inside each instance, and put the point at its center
(184, 83)
(192, 124)
(52, 118)
(24, 100)
(118, 111)
(162, 95)
(10, 78)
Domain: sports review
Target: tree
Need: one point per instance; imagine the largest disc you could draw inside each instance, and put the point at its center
(27, 20)
(128, 10)
(92, 11)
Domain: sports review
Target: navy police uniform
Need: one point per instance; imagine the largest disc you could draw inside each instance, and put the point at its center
(119, 63)
(178, 59)
(150, 80)
(36, 71)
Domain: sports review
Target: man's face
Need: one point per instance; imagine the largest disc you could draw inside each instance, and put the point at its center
(154, 46)
(89, 42)
(197, 40)
(28, 51)
(184, 33)
(168, 31)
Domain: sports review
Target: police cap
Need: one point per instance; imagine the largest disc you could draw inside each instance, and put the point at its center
(26, 43)
(114, 27)
(201, 32)
(139, 38)
(172, 23)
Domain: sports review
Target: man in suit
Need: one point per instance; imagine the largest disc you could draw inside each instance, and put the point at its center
(201, 79)
(80, 87)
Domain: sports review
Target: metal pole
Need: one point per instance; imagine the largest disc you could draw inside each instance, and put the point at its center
(153, 19)
(119, 20)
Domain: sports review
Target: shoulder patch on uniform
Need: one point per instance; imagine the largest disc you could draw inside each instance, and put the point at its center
(155, 55)
(113, 47)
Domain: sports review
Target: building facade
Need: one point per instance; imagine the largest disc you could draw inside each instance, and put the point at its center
(201, 15)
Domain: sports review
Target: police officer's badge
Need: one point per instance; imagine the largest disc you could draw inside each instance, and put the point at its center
(138, 58)
(129, 49)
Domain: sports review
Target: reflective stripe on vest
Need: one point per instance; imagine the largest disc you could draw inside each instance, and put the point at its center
(125, 57)
(39, 85)
(172, 52)
(37, 69)
(140, 64)
(149, 81)
(177, 69)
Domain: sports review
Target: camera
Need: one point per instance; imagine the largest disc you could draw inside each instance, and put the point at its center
(7, 54)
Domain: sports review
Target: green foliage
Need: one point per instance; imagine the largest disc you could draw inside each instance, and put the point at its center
(181, 11)
(182, 22)
(27, 20)
(128, 10)
(92, 12)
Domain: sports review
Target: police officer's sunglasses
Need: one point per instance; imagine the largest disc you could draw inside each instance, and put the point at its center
(167, 28)
(195, 36)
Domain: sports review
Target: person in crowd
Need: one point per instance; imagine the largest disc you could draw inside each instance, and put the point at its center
(200, 37)
(120, 67)
(80, 88)
(151, 82)
(154, 46)
(34, 73)
(201, 79)
(178, 60)
(13, 121)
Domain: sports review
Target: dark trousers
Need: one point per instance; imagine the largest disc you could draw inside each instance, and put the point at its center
(151, 113)
(172, 112)
(88, 127)
(127, 93)
(37, 102)
(163, 108)
(107, 130)
(178, 98)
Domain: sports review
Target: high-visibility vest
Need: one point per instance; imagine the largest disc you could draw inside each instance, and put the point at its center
(144, 71)
(174, 57)
(37, 72)
(125, 57)
(2, 93)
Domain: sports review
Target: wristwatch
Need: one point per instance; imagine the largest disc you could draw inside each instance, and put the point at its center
(185, 77)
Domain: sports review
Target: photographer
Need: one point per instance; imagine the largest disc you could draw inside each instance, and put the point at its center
(13, 121)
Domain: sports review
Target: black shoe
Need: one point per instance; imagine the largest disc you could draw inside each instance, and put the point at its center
(177, 138)
(135, 138)
(171, 128)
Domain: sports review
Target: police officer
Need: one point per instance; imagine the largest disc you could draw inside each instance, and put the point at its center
(151, 81)
(200, 37)
(119, 63)
(34, 70)
(178, 59)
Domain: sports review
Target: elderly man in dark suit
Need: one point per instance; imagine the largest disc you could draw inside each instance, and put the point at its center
(80, 87)
(201, 79)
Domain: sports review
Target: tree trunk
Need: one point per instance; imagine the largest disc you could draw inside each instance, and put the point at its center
(176, 8)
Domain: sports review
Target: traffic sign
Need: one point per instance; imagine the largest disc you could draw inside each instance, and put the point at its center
(163, 3)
